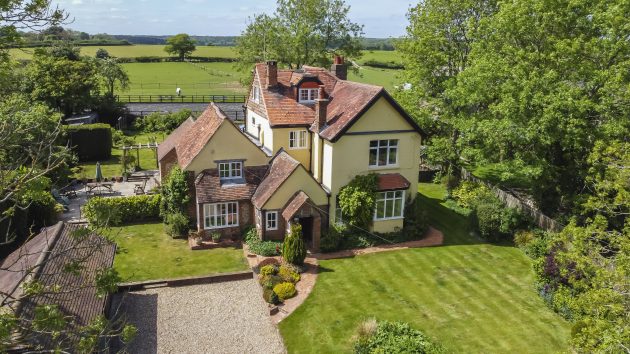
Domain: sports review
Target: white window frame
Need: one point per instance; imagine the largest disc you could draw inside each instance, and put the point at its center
(310, 93)
(387, 196)
(219, 215)
(231, 170)
(389, 145)
(256, 94)
(298, 139)
(274, 220)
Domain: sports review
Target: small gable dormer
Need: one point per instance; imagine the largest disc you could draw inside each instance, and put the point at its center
(307, 89)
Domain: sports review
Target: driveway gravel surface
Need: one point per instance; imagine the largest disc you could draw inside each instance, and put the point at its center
(228, 317)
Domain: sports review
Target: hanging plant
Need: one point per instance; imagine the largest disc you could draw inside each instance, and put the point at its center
(357, 200)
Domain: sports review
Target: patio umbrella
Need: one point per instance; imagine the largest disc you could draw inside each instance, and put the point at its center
(99, 174)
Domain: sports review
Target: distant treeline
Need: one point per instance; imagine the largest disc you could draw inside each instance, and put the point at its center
(229, 41)
(80, 43)
(157, 59)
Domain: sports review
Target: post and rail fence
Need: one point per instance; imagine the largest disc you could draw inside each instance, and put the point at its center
(181, 99)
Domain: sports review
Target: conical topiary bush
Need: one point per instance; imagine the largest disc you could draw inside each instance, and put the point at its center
(293, 248)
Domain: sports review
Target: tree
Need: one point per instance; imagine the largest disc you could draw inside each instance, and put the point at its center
(174, 193)
(180, 44)
(63, 79)
(301, 32)
(112, 75)
(102, 53)
(293, 247)
(435, 51)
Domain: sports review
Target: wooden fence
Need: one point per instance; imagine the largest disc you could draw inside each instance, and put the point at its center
(181, 99)
(512, 201)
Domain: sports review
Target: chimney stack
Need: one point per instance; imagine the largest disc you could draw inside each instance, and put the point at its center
(339, 68)
(272, 73)
(321, 109)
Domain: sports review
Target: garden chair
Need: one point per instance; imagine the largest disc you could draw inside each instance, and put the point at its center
(139, 188)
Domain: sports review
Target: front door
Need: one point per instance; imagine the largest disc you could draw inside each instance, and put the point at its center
(307, 230)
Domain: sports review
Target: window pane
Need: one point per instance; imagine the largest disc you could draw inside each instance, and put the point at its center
(393, 142)
(389, 208)
(382, 156)
(380, 209)
(392, 155)
(373, 156)
(374, 143)
(398, 207)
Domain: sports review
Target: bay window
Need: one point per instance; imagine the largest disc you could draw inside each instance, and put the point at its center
(389, 205)
(220, 215)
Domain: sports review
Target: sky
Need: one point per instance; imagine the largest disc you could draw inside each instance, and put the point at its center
(213, 17)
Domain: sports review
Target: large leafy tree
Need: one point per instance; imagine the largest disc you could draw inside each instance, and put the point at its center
(63, 79)
(112, 75)
(301, 32)
(180, 45)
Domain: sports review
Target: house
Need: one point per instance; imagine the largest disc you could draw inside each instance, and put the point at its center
(308, 132)
(45, 258)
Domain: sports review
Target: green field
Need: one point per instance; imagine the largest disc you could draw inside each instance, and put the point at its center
(387, 78)
(145, 251)
(381, 55)
(192, 78)
(129, 51)
(471, 296)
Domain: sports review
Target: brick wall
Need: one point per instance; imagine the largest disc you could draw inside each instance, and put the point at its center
(167, 163)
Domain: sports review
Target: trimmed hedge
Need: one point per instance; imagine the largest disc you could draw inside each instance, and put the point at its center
(121, 210)
(157, 59)
(90, 141)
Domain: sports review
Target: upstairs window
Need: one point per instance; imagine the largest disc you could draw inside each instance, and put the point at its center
(230, 170)
(272, 220)
(256, 94)
(297, 139)
(308, 95)
(389, 205)
(383, 153)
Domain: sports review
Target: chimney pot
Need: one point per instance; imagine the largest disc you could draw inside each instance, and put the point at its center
(339, 68)
(338, 59)
(272, 73)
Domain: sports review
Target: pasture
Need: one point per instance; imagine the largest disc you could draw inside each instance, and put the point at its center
(139, 50)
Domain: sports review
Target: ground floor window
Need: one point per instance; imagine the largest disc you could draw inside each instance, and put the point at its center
(272, 220)
(220, 215)
(389, 205)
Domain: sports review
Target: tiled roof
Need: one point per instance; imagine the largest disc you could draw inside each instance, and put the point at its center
(282, 166)
(77, 296)
(348, 100)
(194, 139)
(392, 181)
(210, 190)
(173, 138)
(294, 205)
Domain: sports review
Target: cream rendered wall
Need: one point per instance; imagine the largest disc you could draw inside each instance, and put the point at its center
(349, 156)
(299, 180)
(281, 140)
(327, 165)
(316, 147)
(266, 135)
(228, 143)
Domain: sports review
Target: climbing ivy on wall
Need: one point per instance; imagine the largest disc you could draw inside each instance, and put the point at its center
(357, 200)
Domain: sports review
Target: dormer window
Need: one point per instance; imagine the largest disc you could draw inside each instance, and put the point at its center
(230, 170)
(256, 94)
(308, 95)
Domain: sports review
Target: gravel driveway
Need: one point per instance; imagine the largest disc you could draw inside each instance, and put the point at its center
(228, 317)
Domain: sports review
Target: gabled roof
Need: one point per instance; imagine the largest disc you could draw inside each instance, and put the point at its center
(210, 190)
(348, 101)
(294, 205)
(172, 139)
(195, 138)
(282, 166)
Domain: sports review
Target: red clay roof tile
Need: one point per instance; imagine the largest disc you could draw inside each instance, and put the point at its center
(392, 181)
(210, 190)
(282, 166)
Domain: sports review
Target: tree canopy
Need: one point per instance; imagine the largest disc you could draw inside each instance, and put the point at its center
(181, 45)
(301, 32)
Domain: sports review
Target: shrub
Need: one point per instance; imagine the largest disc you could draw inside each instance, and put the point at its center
(392, 337)
(522, 238)
(358, 198)
(268, 261)
(270, 296)
(120, 210)
(288, 275)
(174, 193)
(415, 223)
(270, 281)
(293, 248)
(216, 237)
(176, 224)
(384, 64)
(90, 142)
(330, 240)
(268, 270)
(261, 248)
(161, 122)
(468, 194)
(285, 290)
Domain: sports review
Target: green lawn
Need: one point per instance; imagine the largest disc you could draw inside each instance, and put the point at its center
(145, 252)
(387, 78)
(139, 50)
(113, 166)
(471, 296)
(381, 55)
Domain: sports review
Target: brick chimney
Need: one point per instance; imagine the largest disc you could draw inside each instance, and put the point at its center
(339, 68)
(272, 73)
(321, 109)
